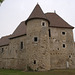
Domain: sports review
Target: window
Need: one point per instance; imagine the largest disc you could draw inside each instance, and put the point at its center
(43, 23)
(63, 45)
(63, 33)
(21, 45)
(58, 48)
(2, 50)
(34, 61)
(35, 39)
(49, 33)
(69, 56)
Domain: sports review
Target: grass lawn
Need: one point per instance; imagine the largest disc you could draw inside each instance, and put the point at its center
(52, 72)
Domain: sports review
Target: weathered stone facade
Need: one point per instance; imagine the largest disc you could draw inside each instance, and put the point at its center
(38, 45)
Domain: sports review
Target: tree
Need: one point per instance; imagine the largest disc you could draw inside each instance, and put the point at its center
(1, 1)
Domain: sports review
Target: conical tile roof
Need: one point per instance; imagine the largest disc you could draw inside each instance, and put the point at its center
(37, 13)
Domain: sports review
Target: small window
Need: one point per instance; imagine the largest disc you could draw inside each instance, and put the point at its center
(63, 33)
(49, 33)
(2, 50)
(34, 61)
(63, 45)
(35, 39)
(70, 56)
(58, 48)
(21, 45)
(43, 23)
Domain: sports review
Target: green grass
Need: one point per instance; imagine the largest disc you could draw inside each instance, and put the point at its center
(52, 72)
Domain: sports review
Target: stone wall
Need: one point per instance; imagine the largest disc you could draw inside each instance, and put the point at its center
(13, 57)
(41, 50)
(17, 54)
(4, 56)
(38, 51)
(62, 57)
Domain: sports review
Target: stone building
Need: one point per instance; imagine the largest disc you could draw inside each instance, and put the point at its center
(42, 42)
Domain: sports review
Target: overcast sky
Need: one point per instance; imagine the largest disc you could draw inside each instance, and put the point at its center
(12, 12)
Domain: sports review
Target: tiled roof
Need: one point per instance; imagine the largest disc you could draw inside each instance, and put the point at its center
(53, 18)
(37, 13)
(57, 21)
(20, 30)
(4, 41)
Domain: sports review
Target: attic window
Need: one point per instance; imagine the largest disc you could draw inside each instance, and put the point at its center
(43, 23)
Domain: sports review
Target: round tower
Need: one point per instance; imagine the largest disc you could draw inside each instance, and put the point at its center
(38, 41)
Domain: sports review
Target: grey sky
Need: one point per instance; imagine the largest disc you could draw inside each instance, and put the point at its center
(12, 12)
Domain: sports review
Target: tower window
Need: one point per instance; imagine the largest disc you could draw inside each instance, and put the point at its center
(35, 39)
(21, 45)
(49, 33)
(34, 61)
(63, 33)
(43, 23)
(63, 45)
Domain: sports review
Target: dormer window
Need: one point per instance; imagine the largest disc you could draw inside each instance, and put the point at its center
(43, 23)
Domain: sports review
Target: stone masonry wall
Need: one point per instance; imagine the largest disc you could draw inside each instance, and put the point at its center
(38, 51)
(4, 56)
(62, 57)
(17, 54)
(13, 57)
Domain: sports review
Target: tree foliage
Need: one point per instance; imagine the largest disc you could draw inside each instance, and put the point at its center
(1, 1)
